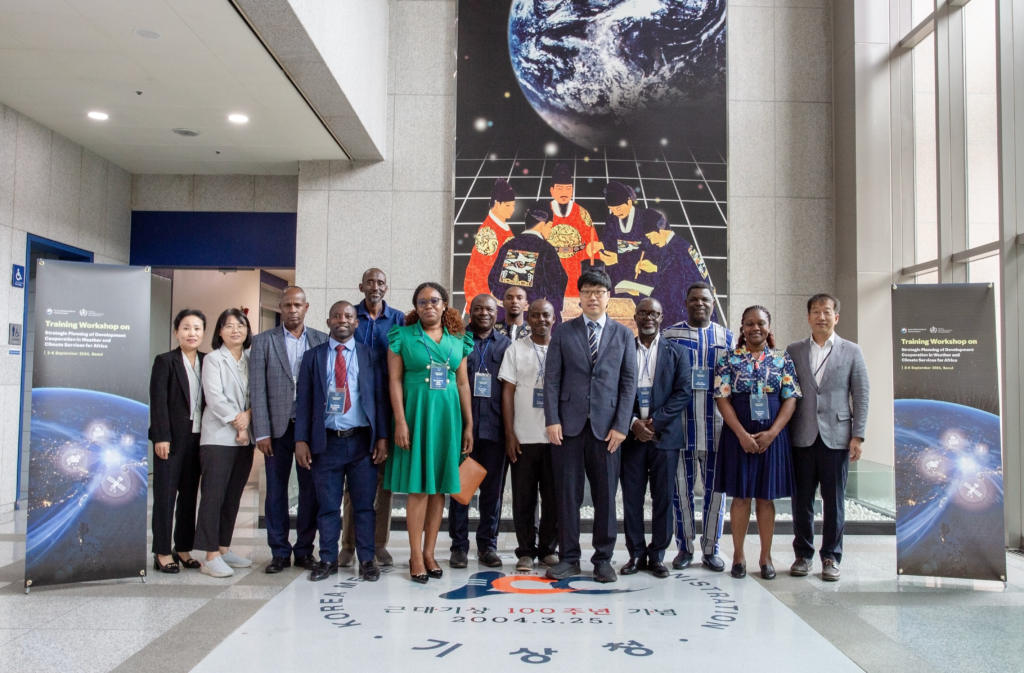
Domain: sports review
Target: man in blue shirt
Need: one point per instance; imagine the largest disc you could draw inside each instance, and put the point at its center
(375, 319)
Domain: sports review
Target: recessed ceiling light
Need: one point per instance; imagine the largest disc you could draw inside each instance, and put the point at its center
(188, 133)
(147, 34)
(99, 116)
(238, 119)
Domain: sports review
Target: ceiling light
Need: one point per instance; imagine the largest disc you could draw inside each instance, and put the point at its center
(238, 119)
(147, 34)
(99, 116)
(188, 133)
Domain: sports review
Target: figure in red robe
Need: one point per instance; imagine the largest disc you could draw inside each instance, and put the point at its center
(491, 235)
(573, 235)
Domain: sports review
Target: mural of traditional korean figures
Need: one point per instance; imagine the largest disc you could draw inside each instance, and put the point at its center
(591, 134)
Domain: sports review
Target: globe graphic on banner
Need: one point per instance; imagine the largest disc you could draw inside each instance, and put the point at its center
(949, 471)
(596, 70)
(87, 477)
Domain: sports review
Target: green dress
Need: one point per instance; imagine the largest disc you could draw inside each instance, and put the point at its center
(431, 465)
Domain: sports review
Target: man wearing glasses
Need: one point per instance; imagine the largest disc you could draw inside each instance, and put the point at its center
(589, 388)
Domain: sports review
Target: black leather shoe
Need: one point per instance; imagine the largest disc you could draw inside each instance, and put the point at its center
(739, 570)
(605, 573)
(712, 563)
(435, 573)
(562, 570)
(768, 572)
(658, 569)
(459, 559)
(277, 564)
(171, 568)
(189, 563)
(632, 567)
(682, 560)
(490, 559)
(369, 571)
(323, 571)
(307, 562)
(419, 579)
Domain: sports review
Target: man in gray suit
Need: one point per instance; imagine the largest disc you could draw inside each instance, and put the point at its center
(826, 433)
(274, 363)
(589, 388)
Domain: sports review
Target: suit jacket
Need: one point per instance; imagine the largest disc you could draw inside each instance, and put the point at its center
(837, 409)
(575, 390)
(271, 387)
(227, 395)
(170, 400)
(487, 423)
(670, 395)
(311, 397)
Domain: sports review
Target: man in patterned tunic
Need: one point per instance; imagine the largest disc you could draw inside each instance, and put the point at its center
(573, 234)
(491, 235)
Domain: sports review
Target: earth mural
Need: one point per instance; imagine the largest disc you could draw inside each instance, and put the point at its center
(949, 490)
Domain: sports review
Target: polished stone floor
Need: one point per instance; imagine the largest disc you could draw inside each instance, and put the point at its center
(186, 621)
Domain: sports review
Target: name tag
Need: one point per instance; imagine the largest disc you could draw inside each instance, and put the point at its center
(538, 398)
(701, 378)
(759, 407)
(336, 401)
(481, 385)
(644, 395)
(438, 378)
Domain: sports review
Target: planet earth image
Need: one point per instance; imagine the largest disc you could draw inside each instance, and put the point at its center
(949, 491)
(599, 71)
(87, 487)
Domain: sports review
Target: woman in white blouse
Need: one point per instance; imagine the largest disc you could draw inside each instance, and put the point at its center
(226, 445)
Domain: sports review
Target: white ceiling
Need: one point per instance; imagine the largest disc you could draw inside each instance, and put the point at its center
(60, 59)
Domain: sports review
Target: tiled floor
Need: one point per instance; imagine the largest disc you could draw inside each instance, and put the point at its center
(173, 622)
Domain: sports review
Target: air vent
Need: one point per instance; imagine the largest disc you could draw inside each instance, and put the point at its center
(188, 133)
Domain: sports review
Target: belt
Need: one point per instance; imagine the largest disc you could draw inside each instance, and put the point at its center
(351, 432)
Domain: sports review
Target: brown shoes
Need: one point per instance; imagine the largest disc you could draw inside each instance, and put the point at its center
(829, 571)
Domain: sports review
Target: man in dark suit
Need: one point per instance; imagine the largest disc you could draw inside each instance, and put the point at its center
(273, 370)
(651, 453)
(589, 387)
(341, 436)
(488, 438)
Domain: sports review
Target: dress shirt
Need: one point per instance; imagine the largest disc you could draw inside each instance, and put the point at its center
(296, 347)
(646, 362)
(601, 322)
(195, 392)
(373, 332)
(356, 417)
(819, 356)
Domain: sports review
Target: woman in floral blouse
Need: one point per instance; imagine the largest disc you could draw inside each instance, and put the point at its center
(756, 391)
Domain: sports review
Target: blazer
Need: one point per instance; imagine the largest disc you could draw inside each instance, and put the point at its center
(170, 399)
(227, 395)
(311, 395)
(487, 423)
(671, 394)
(837, 408)
(271, 387)
(575, 390)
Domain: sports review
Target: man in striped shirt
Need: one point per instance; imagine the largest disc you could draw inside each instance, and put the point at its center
(705, 341)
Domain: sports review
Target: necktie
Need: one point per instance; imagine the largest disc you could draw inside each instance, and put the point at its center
(341, 377)
(593, 340)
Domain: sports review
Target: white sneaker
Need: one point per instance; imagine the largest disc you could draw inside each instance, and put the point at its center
(216, 568)
(235, 561)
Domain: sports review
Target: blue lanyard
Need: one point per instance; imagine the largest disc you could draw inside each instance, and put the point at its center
(761, 385)
(540, 361)
(430, 356)
(368, 337)
(483, 354)
(646, 362)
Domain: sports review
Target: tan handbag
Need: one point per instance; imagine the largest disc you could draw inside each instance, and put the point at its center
(471, 475)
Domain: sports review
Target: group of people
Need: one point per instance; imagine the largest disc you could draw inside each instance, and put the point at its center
(387, 402)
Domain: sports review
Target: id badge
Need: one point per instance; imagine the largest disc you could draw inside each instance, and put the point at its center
(538, 398)
(701, 378)
(644, 395)
(438, 378)
(759, 407)
(336, 402)
(481, 385)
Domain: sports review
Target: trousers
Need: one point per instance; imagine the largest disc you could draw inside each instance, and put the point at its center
(713, 512)
(382, 508)
(644, 463)
(175, 494)
(225, 473)
(532, 474)
(279, 471)
(347, 460)
(813, 467)
(492, 456)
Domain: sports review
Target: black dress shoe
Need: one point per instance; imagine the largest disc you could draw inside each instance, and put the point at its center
(189, 563)
(768, 572)
(490, 559)
(307, 562)
(459, 559)
(632, 567)
(419, 579)
(712, 563)
(171, 568)
(435, 573)
(604, 573)
(369, 571)
(658, 569)
(562, 570)
(682, 560)
(739, 570)
(323, 571)
(277, 564)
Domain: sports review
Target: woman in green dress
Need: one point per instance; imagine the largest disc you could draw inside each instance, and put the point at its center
(433, 418)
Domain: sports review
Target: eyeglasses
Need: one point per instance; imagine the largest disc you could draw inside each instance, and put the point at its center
(648, 314)
(587, 294)
(433, 301)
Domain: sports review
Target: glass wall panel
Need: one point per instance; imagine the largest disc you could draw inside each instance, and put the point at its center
(925, 174)
(982, 149)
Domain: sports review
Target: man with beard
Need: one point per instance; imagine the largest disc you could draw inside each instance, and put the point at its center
(651, 452)
(573, 233)
(530, 261)
(512, 325)
(491, 235)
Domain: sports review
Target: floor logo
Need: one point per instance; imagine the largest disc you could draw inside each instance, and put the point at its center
(492, 583)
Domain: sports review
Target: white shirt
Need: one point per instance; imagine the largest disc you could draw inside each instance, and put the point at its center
(646, 362)
(556, 208)
(497, 221)
(521, 368)
(602, 322)
(195, 391)
(626, 226)
(820, 356)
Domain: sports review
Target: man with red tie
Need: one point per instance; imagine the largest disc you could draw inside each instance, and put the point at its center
(573, 233)
(491, 235)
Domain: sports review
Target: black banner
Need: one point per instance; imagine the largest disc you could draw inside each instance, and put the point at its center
(90, 414)
(949, 471)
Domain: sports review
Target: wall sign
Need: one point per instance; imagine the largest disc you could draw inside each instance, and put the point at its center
(13, 334)
(17, 275)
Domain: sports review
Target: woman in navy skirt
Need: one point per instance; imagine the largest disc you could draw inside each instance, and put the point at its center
(756, 391)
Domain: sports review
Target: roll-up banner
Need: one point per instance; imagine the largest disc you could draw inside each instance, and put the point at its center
(949, 469)
(88, 449)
